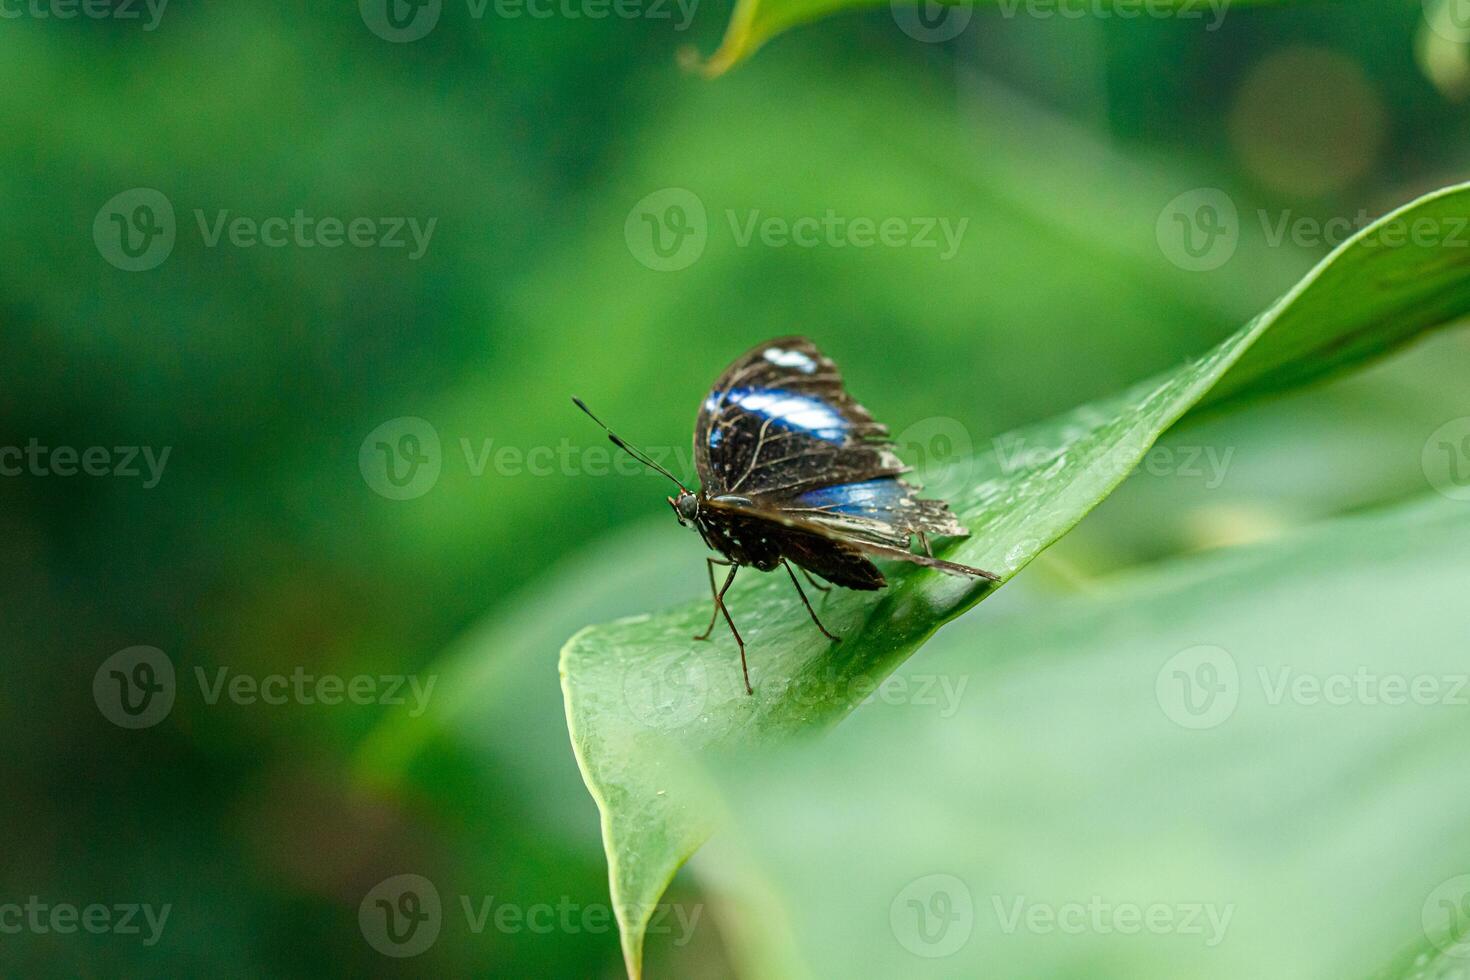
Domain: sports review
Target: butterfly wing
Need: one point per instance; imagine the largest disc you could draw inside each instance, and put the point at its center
(780, 429)
(779, 422)
(885, 511)
(846, 541)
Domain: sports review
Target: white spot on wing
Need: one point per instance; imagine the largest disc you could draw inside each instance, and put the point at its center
(791, 359)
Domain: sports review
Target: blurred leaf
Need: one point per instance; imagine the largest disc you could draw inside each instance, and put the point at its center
(1243, 477)
(1442, 49)
(491, 748)
(1439, 958)
(755, 22)
(1266, 739)
(640, 695)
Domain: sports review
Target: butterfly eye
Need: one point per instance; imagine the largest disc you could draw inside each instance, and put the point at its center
(687, 507)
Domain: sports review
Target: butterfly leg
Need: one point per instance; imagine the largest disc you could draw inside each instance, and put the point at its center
(924, 540)
(721, 607)
(826, 590)
(809, 609)
(709, 564)
(814, 583)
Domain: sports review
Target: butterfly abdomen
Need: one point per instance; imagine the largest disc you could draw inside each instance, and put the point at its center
(838, 564)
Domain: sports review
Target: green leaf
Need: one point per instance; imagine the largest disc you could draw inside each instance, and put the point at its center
(1266, 744)
(641, 696)
(1442, 954)
(754, 22)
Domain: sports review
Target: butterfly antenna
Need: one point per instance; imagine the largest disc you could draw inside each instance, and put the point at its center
(633, 451)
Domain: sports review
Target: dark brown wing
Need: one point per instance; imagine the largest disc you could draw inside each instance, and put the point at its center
(779, 422)
(854, 535)
(838, 563)
(780, 430)
(884, 511)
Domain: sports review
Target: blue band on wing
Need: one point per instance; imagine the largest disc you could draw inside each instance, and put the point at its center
(786, 409)
(857, 499)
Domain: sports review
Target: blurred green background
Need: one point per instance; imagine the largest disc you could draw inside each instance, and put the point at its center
(270, 544)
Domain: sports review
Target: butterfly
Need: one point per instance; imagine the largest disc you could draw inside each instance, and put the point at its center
(793, 471)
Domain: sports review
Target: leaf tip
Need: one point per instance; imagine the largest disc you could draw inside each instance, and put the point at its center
(716, 64)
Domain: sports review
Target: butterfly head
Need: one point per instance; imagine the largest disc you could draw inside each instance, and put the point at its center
(686, 507)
